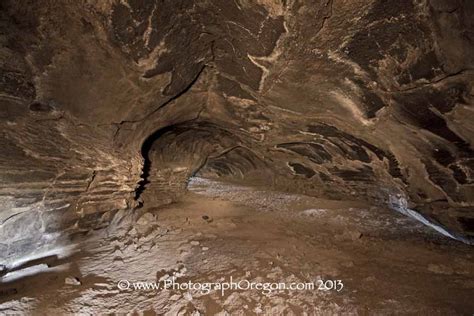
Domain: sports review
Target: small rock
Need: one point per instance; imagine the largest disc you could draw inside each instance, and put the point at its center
(146, 219)
(194, 243)
(207, 218)
(354, 235)
(72, 281)
(205, 248)
(133, 232)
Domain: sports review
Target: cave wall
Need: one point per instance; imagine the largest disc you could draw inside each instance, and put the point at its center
(360, 99)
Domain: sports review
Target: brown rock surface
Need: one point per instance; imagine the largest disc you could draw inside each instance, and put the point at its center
(109, 106)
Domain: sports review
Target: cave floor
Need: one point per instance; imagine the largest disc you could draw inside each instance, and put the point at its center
(387, 263)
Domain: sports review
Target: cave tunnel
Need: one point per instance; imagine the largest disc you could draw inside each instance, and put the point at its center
(175, 154)
(247, 157)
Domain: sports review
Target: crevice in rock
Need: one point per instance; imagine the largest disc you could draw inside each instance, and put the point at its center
(145, 149)
(170, 100)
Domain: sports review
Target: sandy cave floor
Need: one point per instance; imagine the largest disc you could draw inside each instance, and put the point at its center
(388, 263)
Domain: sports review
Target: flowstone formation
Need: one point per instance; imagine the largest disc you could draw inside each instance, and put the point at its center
(109, 105)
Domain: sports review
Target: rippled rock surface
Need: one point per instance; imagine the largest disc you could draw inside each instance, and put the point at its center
(109, 105)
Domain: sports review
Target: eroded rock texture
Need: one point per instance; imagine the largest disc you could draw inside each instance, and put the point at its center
(106, 105)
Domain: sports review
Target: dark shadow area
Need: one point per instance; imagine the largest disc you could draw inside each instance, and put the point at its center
(145, 150)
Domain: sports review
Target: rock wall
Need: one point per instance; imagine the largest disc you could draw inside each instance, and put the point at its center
(105, 105)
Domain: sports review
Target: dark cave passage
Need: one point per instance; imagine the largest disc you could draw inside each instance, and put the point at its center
(175, 153)
(145, 152)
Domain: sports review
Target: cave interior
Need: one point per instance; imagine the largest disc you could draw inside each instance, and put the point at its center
(202, 139)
